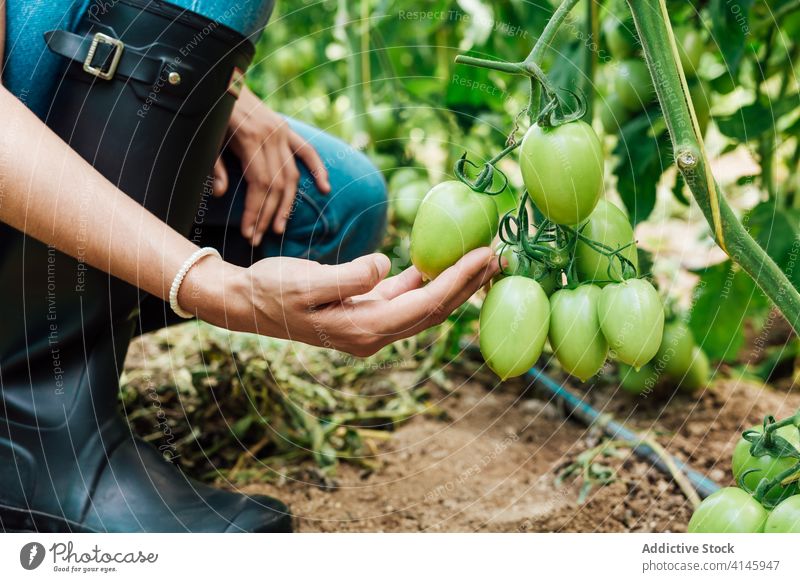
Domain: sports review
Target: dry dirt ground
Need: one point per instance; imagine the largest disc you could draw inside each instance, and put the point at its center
(492, 465)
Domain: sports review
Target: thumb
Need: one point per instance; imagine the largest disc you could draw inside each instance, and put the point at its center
(338, 282)
(220, 178)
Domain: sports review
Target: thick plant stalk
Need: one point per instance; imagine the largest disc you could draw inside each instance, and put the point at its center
(661, 53)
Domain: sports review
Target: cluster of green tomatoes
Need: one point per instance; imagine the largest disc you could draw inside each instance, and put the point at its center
(767, 498)
(570, 272)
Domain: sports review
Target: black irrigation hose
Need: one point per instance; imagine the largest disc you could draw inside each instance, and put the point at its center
(616, 430)
(587, 414)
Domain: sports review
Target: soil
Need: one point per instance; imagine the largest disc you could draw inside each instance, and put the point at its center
(492, 465)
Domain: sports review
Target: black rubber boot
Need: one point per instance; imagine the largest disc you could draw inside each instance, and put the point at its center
(68, 462)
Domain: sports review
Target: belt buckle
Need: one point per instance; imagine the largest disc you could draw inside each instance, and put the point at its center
(100, 38)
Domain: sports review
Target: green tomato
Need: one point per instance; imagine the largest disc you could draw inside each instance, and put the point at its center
(384, 162)
(514, 321)
(607, 225)
(639, 381)
(633, 85)
(675, 355)
(407, 199)
(451, 221)
(305, 51)
(691, 47)
(575, 334)
(285, 63)
(295, 58)
(701, 97)
(632, 319)
(767, 467)
(785, 518)
(729, 510)
(549, 280)
(403, 176)
(620, 37)
(513, 262)
(382, 123)
(699, 372)
(562, 168)
(613, 113)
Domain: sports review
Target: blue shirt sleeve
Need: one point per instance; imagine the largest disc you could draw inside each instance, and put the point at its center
(247, 17)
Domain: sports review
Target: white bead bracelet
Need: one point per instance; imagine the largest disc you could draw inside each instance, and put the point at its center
(181, 275)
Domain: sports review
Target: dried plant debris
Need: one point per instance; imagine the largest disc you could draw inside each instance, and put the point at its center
(240, 408)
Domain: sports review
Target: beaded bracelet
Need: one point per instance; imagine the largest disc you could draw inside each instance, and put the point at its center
(181, 275)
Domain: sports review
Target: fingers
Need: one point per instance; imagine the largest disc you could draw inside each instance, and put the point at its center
(306, 152)
(292, 177)
(335, 283)
(392, 287)
(220, 178)
(255, 208)
(265, 187)
(420, 309)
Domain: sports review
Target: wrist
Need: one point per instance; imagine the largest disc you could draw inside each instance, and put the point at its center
(212, 290)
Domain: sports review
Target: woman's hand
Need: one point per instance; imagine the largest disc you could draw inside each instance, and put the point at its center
(348, 307)
(266, 147)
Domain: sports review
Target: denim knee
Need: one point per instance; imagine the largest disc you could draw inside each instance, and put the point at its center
(356, 209)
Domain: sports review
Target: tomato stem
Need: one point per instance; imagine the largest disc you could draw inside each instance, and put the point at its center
(627, 268)
(660, 51)
(531, 68)
(502, 66)
(549, 32)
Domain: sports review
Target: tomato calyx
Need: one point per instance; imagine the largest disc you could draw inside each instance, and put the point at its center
(627, 268)
(555, 113)
(767, 442)
(545, 246)
(551, 246)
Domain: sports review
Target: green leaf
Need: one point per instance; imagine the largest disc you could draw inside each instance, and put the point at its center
(730, 26)
(777, 231)
(472, 90)
(241, 426)
(641, 159)
(724, 299)
(677, 190)
(756, 119)
(773, 229)
(565, 69)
